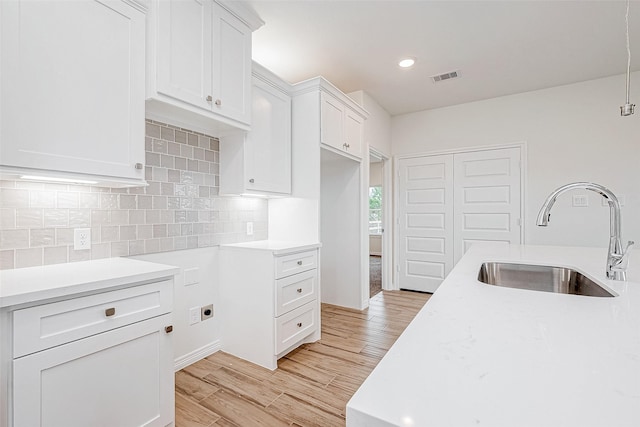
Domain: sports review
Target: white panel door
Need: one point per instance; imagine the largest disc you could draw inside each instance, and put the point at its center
(487, 198)
(425, 221)
(184, 51)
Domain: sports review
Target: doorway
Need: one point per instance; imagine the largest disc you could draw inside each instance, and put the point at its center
(377, 215)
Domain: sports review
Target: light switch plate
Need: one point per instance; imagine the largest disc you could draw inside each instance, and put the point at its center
(194, 315)
(580, 201)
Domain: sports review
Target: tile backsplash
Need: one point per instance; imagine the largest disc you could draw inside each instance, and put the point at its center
(180, 209)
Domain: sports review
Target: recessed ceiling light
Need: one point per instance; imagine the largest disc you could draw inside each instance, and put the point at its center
(407, 62)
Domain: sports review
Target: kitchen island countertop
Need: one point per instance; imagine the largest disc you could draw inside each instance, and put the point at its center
(492, 356)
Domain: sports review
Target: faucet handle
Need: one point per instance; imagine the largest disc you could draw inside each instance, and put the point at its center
(622, 260)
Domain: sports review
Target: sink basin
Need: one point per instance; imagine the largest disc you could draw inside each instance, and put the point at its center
(543, 278)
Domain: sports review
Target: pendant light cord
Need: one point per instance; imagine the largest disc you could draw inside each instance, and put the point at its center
(628, 52)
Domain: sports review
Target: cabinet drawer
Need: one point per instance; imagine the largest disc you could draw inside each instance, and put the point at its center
(295, 325)
(296, 290)
(45, 326)
(296, 263)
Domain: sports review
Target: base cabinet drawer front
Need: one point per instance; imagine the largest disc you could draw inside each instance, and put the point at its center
(45, 326)
(295, 291)
(295, 325)
(296, 263)
(119, 378)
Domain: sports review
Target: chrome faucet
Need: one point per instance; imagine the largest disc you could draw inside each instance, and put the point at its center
(617, 259)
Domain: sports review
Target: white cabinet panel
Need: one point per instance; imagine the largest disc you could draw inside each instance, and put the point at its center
(259, 162)
(118, 378)
(73, 87)
(184, 50)
(198, 66)
(340, 127)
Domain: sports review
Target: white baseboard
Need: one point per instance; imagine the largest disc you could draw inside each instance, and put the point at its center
(198, 354)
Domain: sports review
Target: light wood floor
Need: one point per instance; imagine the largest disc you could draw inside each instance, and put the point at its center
(312, 384)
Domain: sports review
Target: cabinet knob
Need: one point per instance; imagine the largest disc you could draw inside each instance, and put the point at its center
(218, 102)
(139, 166)
(168, 329)
(348, 146)
(299, 290)
(299, 324)
(110, 312)
(209, 98)
(252, 180)
(299, 262)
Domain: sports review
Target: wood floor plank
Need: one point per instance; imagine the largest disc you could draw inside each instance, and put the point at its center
(240, 411)
(251, 389)
(193, 387)
(191, 414)
(304, 414)
(312, 384)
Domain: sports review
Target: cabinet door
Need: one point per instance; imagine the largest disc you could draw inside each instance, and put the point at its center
(119, 378)
(184, 50)
(353, 129)
(268, 144)
(73, 86)
(231, 66)
(331, 127)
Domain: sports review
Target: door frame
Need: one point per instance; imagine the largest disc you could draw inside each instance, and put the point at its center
(387, 218)
(522, 145)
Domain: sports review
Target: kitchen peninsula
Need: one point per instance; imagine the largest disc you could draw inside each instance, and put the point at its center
(478, 354)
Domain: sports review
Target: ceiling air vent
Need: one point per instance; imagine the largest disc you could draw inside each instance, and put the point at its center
(446, 76)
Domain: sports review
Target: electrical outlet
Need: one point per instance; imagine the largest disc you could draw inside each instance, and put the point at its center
(622, 199)
(81, 239)
(207, 312)
(249, 228)
(194, 315)
(191, 276)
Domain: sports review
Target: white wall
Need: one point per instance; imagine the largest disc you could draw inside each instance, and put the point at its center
(573, 133)
(193, 342)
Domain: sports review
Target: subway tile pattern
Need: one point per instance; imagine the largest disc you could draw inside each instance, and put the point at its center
(180, 209)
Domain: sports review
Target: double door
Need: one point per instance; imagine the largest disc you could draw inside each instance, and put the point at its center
(448, 202)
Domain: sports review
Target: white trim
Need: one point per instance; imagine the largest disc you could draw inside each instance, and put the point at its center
(387, 220)
(522, 145)
(198, 354)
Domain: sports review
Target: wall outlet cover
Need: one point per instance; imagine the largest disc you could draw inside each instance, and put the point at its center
(81, 239)
(191, 276)
(249, 228)
(194, 315)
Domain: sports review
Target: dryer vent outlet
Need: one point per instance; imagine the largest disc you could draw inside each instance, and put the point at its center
(206, 312)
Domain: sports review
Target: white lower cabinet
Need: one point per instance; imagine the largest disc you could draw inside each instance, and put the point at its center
(104, 359)
(117, 378)
(269, 300)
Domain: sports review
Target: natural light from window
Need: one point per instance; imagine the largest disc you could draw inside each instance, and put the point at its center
(375, 210)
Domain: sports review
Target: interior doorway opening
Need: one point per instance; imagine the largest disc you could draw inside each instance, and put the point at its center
(376, 218)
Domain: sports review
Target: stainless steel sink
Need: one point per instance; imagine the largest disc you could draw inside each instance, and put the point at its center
(540, 278)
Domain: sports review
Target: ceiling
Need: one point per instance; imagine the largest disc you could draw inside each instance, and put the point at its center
(498, 47)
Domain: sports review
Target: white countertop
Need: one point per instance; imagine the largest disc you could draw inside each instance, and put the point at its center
(33, 284)
(275, 246)
(492, 356)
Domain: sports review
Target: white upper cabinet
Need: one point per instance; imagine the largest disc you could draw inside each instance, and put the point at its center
(199, 64)
(259, 161)
(341, 127)
(72, 89)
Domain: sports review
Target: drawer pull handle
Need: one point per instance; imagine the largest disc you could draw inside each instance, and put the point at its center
(110, 312)
(299, 262)
(299, 290)
(168, 329)
(299, 324)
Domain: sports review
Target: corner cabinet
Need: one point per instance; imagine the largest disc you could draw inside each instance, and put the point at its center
(72, 98)
(269, 294)
(258, 162)
(99, 357)
(199, 64)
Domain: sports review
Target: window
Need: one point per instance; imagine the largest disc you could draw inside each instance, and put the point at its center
(375, 210)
